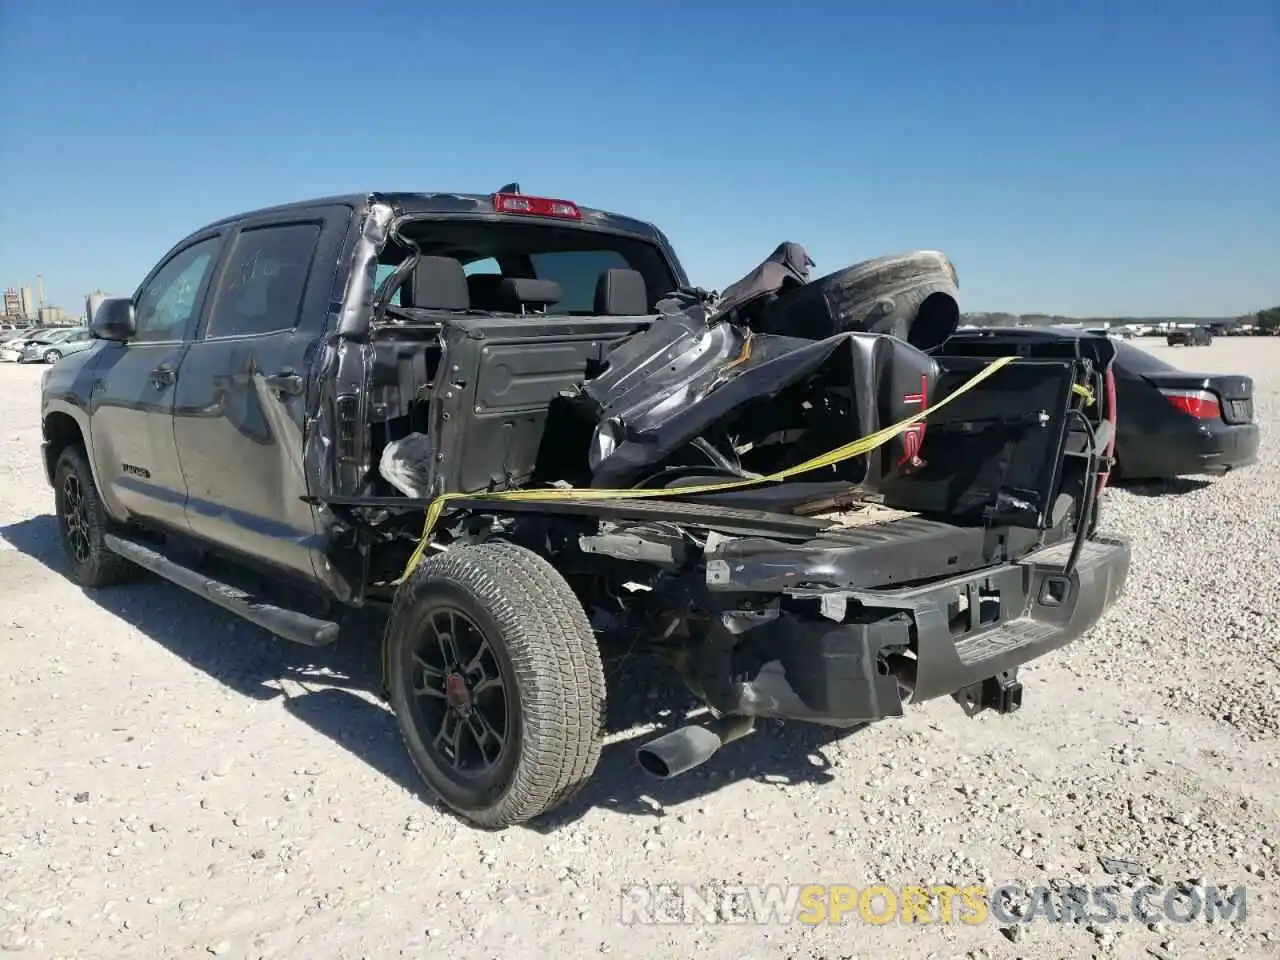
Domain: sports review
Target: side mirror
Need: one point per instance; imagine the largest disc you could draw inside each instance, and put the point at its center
(114, 320)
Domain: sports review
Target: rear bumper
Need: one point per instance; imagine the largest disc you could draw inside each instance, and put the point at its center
(843, 657)
(1199, 450)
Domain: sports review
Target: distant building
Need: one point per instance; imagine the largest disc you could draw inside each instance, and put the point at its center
(55, 317)
(91, 304)
(13, 305)
(30, 309)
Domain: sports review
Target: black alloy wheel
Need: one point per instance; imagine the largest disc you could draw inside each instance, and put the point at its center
(496, 682)
(82, 523)
(461, 699)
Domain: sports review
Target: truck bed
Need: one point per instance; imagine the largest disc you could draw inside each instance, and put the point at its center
(863, 546)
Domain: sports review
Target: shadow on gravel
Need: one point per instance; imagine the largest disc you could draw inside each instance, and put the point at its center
(338, 683)
(1175, 487)
(782, 755)
(340, 695)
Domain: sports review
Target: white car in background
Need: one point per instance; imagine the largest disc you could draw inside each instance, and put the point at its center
(52, 347)
(11, 350)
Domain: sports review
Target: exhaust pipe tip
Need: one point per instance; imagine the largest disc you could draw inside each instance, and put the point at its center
(681, 750)
(653, 763)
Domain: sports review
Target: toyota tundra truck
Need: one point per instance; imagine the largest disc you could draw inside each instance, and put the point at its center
(512, 421)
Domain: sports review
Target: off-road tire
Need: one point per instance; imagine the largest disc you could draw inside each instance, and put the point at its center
(544, 644)
(912, 296)
(92, 564)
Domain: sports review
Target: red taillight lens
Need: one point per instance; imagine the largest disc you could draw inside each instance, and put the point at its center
(535, 206)
(1200, 404)
(1113, 417)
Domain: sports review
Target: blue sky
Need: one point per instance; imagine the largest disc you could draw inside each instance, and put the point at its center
(1087, 157)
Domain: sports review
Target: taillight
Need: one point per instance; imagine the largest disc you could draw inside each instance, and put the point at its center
(913, 436)
(1200, 404)
(1113, 418)
(535, 206)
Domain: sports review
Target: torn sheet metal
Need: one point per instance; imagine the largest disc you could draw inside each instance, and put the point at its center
(655, 400)
(357, 298)
(702, 387)
(784, 270)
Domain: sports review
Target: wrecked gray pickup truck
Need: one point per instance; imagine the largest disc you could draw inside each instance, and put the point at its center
(514, 420)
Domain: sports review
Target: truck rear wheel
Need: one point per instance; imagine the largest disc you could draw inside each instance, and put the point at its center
(82, 521)
(496, 682)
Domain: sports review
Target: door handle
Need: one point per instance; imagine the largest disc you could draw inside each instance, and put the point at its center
(286, 381)
(164, 375)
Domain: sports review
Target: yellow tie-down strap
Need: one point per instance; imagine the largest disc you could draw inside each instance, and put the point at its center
(848, 451)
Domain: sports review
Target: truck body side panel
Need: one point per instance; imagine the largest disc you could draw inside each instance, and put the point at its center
(244, 392)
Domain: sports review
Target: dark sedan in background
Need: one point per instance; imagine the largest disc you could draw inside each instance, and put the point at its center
(1170, 422)
(1193, 337)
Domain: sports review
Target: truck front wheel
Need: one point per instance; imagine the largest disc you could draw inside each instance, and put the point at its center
(496, 682)
(82, 521)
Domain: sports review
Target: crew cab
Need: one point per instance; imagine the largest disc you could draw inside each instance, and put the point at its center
(514, 421)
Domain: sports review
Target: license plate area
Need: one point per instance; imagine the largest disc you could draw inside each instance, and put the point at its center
(1238, 411)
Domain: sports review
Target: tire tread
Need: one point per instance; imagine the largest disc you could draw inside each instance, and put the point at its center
(559, 673)
(108, 568)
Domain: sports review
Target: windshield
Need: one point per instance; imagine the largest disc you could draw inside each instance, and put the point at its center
(1138, 360)
(572, 257)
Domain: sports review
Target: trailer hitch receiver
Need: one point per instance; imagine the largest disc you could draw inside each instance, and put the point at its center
(1002, 694)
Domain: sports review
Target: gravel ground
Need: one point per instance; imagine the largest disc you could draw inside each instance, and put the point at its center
(177, 783)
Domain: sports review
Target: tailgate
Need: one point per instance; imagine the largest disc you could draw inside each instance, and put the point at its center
(1003, 453)
(864, 548)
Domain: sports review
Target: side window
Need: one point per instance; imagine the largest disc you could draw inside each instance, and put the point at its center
(260, 291)
(167, 304)
(577, 272)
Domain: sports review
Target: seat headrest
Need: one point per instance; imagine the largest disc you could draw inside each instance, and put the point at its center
(621, 293)
(436, 283)
(492, 291)
(531, 293)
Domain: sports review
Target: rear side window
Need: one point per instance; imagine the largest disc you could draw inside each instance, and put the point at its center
(261, 289)
(577, 272)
